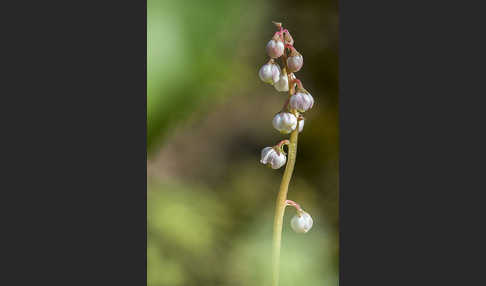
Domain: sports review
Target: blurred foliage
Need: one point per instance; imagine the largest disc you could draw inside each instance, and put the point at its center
(191, 52)
(210, 202)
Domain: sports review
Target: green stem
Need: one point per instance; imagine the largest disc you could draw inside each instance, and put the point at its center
(282, 193)
(280, 205)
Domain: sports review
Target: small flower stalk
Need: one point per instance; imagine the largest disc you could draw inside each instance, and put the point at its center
(284, 61)
(302, 221)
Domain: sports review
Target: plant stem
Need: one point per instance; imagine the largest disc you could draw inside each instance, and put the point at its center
(282, 193)
(280, 206)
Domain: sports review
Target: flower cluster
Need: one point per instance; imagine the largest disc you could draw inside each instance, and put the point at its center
(279, 71)
(282, 77)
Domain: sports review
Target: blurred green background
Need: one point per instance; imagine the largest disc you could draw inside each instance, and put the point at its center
(210, 201)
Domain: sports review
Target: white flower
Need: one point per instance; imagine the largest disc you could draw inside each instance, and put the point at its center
(283, 83)
(284, 122)
(269, 73)
(295, 63)
(275, 48)
(301, 222)
(301, 125)
(271, 158)
(301, 101)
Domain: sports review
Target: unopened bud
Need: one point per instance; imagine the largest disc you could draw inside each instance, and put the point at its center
(284, 122)
(301, 101)
(295, 61)
(269, 73)
(301, 222)
(272, 158)
(275, 48)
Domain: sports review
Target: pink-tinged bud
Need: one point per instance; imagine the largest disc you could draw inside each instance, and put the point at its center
(301, 222)
(269, 73)
(275, 48)
(301, 101)
(295, 63)
(283, 83)
(284, 122)
(271, 158)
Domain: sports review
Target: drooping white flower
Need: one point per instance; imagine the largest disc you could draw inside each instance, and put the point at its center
(284, 122)
(269, 73)
(271, 158)
(275, 48)
(295, 63)
(301, 101)
(301, 222)
(283, 83)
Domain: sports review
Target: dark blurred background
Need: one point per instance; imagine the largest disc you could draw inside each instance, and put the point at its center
(210, 201)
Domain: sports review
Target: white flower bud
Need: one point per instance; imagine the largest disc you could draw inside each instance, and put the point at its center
(301, 125)
(301, 101)
(283, 83)
(284, 122)
(269, 73)
(275, 48)
(295, 63)
(301, 222)
(271, 158)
